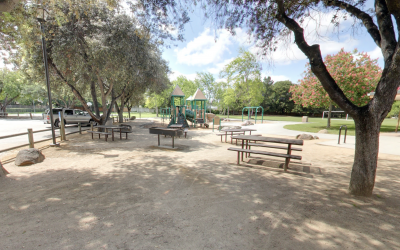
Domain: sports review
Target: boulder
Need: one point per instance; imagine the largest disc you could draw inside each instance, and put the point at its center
(324, 131)
(247, 123)
(304, 119)
(28, 157)
(132, 118)
(305, 137)
(210, 117)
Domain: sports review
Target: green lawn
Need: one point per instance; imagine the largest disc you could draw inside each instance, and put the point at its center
(316, 124)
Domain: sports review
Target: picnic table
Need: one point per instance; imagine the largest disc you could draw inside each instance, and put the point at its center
(107, 128)
(276, 141)
(236, 130)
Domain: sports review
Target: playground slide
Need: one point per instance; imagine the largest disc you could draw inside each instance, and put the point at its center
(189, 115)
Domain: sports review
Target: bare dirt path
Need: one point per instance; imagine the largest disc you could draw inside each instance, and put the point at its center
(129, 194)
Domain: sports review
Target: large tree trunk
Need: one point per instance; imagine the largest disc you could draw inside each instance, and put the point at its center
(366, 155)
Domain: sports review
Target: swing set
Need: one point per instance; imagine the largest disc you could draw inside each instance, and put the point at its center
(255, 118)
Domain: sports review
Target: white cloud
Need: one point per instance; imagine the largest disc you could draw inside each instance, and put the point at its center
(172, 76)
(205, 49)
(219, 66)
(318, 29)
(277, 78)
(376, 53)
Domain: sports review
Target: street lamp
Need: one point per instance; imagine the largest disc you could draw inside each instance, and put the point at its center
(42, 21)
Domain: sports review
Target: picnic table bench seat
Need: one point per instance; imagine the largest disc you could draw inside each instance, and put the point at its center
(249, 151)
(272, 146)
(99, 133)
(126, 128)
(234, 133)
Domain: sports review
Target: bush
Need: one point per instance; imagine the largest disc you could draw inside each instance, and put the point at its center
(395, 109)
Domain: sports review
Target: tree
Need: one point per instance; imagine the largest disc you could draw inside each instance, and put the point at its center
(11, 86)
(243, 74)
(187, 86)
(159, 17)
(280, 100)
(98, 51)
(355, 73)
(207, 82)
(273, 21)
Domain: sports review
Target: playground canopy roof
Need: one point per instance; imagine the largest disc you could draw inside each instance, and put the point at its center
(199, 96)
(177, 91)
(190, 98)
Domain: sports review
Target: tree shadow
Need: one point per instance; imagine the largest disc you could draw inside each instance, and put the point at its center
(197, 198)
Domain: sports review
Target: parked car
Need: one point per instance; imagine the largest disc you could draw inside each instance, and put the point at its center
(71, 116)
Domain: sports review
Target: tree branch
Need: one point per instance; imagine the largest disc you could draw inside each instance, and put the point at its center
(318, 67)
(363, 16)
(74, 90)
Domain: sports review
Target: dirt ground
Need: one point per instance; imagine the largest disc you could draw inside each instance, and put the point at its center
(130, 194)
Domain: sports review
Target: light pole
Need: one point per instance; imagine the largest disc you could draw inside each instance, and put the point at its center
(46, 67)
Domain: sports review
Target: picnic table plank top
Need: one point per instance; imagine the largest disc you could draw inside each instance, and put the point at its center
(238, 129)
(107, 126)
(176, 126)
(268, 139)
(162, 128)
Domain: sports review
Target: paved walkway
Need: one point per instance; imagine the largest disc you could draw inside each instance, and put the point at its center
(388, 144)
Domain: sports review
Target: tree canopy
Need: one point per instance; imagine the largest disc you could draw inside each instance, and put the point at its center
(271, 22)
(355, 73)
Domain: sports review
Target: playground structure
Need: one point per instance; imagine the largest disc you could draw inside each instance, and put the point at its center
(196, 108)
(255, 117)
(165, 113)
(192, 109)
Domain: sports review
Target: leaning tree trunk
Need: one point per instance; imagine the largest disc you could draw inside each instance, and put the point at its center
(366, 155)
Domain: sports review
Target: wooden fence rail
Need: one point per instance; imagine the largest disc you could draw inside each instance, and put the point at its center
(31, 139)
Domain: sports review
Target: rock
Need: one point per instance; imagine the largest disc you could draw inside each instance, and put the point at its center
(305, 137)
(132, 118)
(28, 156)
(324, 131)
(316, 137)
(210, 117)
(247, 123)
(304, 119)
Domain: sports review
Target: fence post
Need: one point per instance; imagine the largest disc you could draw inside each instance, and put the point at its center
(80, 128)
(62, 129)
(30, 138)
(30, 115)
(18, 114)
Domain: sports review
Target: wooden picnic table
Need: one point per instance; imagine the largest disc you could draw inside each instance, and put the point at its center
(233, 130)
(246, 138)
(107, 127)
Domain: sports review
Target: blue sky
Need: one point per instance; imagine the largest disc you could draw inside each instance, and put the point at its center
(206, 49)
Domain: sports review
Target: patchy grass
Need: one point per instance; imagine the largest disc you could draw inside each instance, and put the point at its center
(316, 124)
